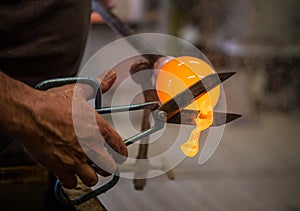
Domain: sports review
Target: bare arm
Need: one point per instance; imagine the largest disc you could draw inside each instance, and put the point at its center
(43, 123)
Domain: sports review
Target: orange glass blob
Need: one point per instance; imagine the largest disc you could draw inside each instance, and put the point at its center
(180, 73)
(177, 75)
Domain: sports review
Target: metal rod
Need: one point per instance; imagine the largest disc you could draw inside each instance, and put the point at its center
(121, 28)
(133, 107)
(112, 20)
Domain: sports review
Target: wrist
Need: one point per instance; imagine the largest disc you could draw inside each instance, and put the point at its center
(17, 105)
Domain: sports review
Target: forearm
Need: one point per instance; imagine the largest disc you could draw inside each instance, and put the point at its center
(17, 102)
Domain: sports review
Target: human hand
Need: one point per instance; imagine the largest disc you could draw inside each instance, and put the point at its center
(53, 142)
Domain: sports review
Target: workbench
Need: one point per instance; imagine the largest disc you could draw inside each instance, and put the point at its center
(31, 188)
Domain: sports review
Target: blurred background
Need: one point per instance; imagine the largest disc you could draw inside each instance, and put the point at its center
(257, 164)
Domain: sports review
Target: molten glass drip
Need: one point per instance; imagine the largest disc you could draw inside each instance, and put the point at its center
(203, 121)
(177, 75)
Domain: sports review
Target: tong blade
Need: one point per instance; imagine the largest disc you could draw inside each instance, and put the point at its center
(187, 117)
(224, 118)
(189, 95)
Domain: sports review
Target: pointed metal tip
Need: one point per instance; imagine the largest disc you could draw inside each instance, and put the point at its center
(224, 118)
(225, 76)
(232, 117)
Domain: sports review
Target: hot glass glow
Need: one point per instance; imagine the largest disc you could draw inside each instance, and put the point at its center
(177, 75)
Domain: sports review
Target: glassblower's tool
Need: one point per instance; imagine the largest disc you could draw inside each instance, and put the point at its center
(169, 112)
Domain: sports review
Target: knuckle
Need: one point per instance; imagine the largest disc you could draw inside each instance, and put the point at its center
(69, 162)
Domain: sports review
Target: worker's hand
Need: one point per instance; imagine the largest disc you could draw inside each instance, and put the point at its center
(51, 140)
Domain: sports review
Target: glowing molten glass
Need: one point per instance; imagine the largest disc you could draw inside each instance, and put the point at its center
(177, 75)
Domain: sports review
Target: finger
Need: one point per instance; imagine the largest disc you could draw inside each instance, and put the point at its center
(87, 175)
(95, 18)
(98, 155)
(115, 144)
(108, 80)
(67, 179)
(99, 170)
(102, 160)
(64, 175)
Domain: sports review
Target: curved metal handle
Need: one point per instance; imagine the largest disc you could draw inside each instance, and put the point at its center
(51, 83)
(64, 198)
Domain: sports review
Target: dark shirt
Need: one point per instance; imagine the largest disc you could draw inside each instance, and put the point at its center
(39, 39)
(42, 39)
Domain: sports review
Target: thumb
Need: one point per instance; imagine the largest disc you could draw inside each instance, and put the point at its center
(107, 80)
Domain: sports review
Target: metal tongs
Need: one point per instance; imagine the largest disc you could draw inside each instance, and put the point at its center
(170, 112)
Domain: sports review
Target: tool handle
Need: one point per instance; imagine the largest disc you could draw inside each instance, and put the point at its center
(63, 197)
(56, 82)
(124, 108)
